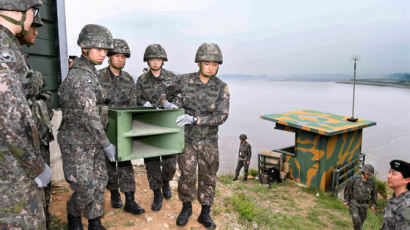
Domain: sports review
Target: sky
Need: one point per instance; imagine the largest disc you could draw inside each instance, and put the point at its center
(257, 36)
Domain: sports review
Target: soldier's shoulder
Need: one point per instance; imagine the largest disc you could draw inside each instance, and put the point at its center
(144, 75)
(8, 56)
(80, 76)
(223, 85)
(102, 71)
(169, 73)
(127, 75)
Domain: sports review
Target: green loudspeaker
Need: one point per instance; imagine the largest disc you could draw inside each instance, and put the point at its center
(140, 132)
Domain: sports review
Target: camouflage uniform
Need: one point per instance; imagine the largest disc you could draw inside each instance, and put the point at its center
(21, 200)
(244, 155)
(393, 217)
(147, 85)
(81, 138)
(120, 92)
(41, 104)
(210, 103)
(360, 194)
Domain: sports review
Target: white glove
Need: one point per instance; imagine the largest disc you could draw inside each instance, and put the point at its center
(44, 178)
(169, 105)
(110, 152)
(147, 104)
(185, 119)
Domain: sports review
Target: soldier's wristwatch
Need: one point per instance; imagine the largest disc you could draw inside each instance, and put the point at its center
(195, 120)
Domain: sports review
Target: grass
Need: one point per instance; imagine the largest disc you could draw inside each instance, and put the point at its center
(253, 172)
(244, 206)
(57, 223)
(288, 206)
(110, 224)
(129, 224)
(381, 188)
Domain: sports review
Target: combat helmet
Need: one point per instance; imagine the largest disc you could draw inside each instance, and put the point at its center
(37, 21)
(209, 52)
(243, 137)
(95, 36)
(367, 168)
(120, 47)
(155, 51)
(19, 5)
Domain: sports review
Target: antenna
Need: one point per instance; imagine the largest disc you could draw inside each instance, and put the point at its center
(352, 118)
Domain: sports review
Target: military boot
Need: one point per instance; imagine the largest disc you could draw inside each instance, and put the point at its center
(235, 178)
(205, 218)
(245, 178)
(166, 190)
(132, 206)
(116, 201)
(74, 223)
(157, 202)
(95, 224)
(186, 212)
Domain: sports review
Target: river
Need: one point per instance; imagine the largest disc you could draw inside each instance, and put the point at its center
(389, 107)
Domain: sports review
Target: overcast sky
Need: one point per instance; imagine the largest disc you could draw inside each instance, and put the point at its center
(257, 37)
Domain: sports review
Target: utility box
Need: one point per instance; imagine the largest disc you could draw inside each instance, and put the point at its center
(323, 142)
(141, 132)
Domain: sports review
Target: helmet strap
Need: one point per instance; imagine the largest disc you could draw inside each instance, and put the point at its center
(15, 22)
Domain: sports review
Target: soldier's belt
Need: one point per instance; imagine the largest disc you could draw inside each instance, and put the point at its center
(362, 201)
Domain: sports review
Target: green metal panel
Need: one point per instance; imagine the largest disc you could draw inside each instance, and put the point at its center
(145, 132)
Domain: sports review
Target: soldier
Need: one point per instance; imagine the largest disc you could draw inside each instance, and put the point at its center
(359, 194)
(205, 99)
(40, 103)
(120, 88)
(81, 135)
(397, 211)
(147, 84)
(244, 157)
(23, 172)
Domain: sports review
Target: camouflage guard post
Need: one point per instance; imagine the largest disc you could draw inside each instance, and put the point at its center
(81, 135)
(323, 142)
(22, 169)
(160, 170)
(120, 88)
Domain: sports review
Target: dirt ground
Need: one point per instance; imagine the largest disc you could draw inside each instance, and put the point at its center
(118, 219)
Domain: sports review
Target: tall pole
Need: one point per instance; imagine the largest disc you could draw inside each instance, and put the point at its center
(352, 118)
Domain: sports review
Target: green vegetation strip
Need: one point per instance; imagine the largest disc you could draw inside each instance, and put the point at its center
(281, 207)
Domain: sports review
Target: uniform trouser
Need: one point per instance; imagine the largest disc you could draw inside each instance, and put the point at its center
(359, 214)
(155, 174)
(121, 176)
(239, 167)
(205, 155)
(21, 200)
(86, 171)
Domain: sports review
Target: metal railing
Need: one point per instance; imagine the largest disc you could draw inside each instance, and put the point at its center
(338, 179)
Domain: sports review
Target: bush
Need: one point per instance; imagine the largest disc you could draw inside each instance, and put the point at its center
(244, 206)
(381, 188)
(253, 172)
